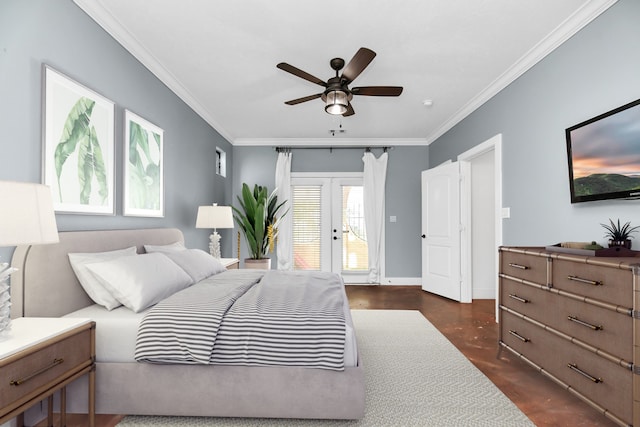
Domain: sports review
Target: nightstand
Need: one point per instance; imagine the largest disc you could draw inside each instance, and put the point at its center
(230, 263)
(40, 356)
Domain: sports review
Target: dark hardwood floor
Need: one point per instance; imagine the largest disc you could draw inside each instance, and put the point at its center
(472, 329)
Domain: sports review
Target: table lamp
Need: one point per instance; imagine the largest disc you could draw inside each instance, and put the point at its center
(214, 216)
(26, 218)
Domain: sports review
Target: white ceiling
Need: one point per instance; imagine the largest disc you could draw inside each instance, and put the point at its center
(220, 57)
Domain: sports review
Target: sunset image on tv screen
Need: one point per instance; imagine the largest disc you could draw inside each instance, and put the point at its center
(605, 154)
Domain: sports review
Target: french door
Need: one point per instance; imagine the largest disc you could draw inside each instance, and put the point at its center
(328, 228)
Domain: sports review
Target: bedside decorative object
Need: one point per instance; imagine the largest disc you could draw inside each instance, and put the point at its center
(25, 218)
(214, 216)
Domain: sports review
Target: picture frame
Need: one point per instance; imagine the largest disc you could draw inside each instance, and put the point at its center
(78, 146)
(143, 167)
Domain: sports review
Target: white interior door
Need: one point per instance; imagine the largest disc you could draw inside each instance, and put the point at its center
(441, 231)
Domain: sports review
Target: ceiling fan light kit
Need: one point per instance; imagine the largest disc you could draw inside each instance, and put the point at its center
(337, 102)
(337, 95)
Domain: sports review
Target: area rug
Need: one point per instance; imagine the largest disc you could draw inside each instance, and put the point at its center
(414, 377)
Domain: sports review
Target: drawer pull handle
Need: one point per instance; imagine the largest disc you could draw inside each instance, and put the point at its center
(517, 298)
(583, 323)
(55, 362)
(520, 337)
(586, 281)
(575, 368)
(521, 267)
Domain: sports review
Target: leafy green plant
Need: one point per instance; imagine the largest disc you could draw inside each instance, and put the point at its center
(144, 168)
(257, 218)
(617, 232)
(78, 134)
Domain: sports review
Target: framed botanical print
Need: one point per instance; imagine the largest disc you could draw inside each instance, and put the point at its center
(78, 154)
(143, 167)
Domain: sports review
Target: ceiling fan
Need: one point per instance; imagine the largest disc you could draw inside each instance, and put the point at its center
(337, 94)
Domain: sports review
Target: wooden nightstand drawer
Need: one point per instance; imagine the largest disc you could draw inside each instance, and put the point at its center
(35, 369)
(41, 356)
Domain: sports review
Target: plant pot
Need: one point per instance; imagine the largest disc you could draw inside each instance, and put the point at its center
(257, 264)
(623, 243)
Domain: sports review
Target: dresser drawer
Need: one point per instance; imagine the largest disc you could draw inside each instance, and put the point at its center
(35, 370)
(529, 267)
(612, 285)
(602, 328)
(554, 355)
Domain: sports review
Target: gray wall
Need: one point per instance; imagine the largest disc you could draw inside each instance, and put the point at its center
(58, 33)
(256, 165)
(593, 72)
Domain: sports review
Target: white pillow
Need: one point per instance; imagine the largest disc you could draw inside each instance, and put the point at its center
(172, 247)
(92, 286)
(197, 263)
(140, 281)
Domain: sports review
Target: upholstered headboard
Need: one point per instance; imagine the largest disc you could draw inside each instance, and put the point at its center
(46, 285)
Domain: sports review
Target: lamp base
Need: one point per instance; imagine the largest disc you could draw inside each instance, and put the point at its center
(5, 296)
(214, 245)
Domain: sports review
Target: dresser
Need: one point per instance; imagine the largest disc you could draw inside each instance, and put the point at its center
(572, 318)
(41, 356)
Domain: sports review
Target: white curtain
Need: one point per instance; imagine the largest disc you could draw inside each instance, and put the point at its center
(374, 178)
(283, 191)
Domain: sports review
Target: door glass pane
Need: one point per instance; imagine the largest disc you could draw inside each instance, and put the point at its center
(306, 226)
(355, 255)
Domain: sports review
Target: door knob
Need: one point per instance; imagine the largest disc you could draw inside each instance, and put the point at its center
(424, 236)
(335, 238)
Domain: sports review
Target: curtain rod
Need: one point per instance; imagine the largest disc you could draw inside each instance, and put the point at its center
(331, 148)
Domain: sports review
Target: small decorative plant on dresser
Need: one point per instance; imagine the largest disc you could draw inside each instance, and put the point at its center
(619, 235)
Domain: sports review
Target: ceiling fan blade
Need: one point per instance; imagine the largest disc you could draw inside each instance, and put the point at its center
(349, 112)
(359, 62)
(299, 73)
(377, 90)
(305, 99)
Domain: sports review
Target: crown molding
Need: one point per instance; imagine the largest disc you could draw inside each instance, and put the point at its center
(328, 142)
(569, 27)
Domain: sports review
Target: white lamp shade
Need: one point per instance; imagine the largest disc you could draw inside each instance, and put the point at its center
(26, 214)
(214, 217)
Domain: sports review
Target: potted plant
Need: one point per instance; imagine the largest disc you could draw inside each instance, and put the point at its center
(258, 220)
(619, 235)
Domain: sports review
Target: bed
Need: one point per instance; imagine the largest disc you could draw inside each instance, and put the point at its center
(46, 286)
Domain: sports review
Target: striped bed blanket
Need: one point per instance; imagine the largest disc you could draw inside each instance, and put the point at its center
(252, 318)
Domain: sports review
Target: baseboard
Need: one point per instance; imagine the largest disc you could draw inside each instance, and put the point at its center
(402, 281)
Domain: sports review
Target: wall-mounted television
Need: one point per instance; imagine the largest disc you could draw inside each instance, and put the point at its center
(604, 155)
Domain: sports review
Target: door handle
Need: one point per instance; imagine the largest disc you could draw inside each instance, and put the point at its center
(424, 236)
(335, 237)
